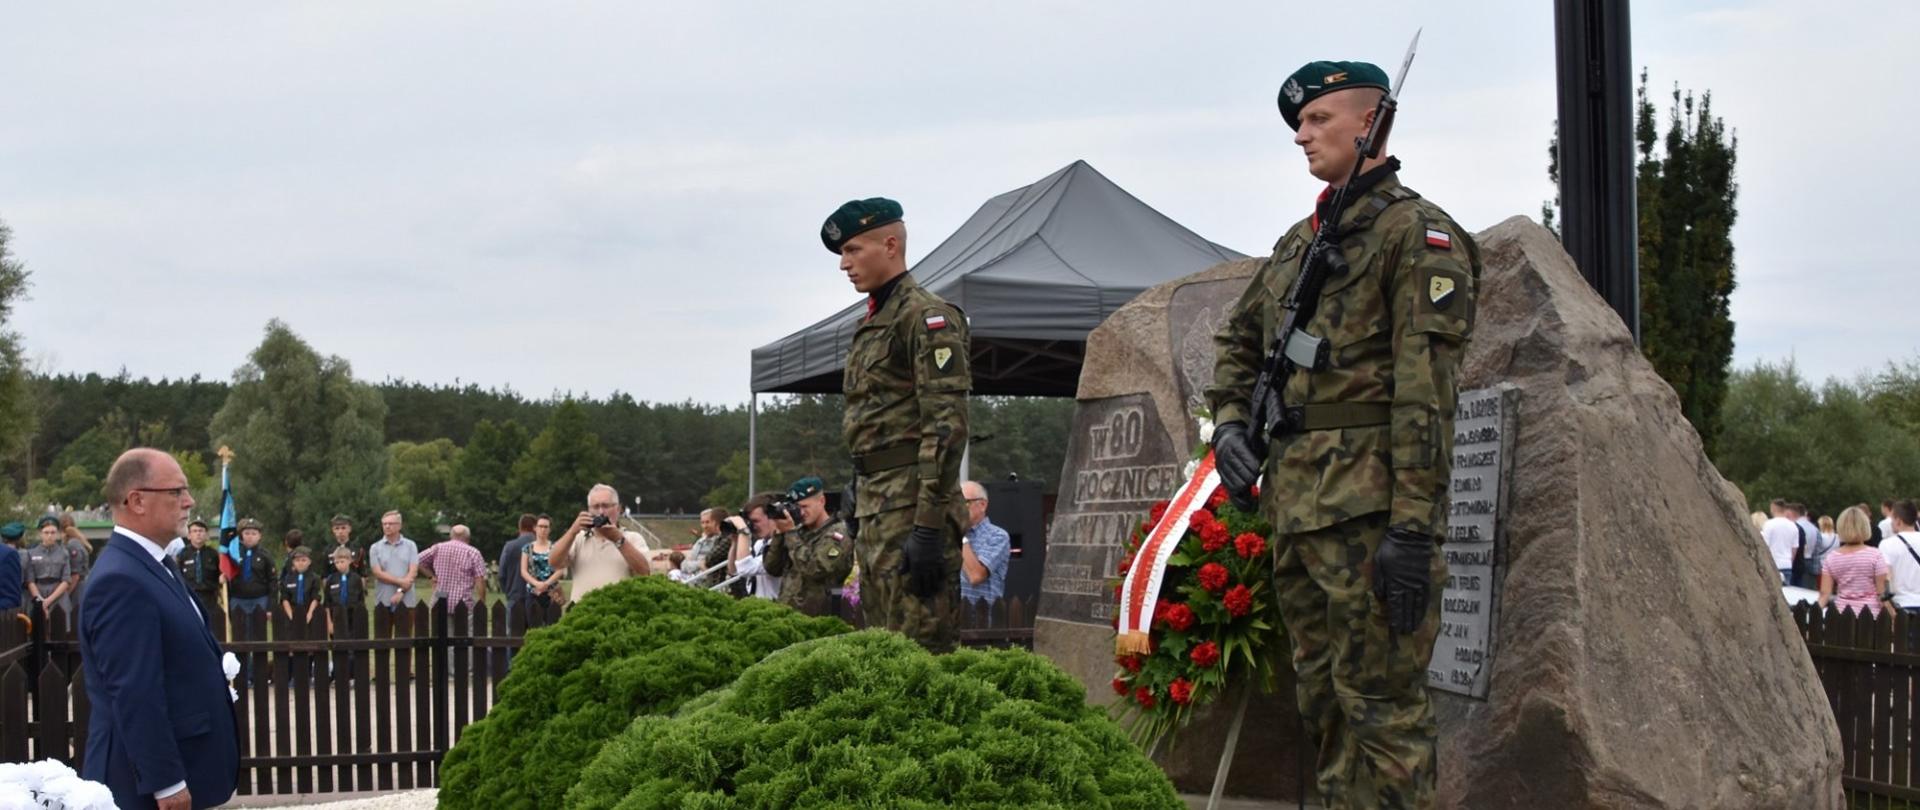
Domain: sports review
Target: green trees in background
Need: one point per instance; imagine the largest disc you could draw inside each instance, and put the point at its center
(1830, 445)
(309, 438)
(560, 465)
(16, 411)
(1685, 194)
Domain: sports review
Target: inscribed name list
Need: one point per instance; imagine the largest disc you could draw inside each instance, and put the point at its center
(1463, 650)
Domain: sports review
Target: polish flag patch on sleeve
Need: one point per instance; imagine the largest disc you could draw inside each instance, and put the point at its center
(1439, 239)
(936, 323)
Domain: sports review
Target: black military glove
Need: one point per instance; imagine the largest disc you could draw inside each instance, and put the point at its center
(1402, 578)
(926, 563)
(1239, 466)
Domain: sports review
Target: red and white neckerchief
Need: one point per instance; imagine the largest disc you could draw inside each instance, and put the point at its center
(1142, 587)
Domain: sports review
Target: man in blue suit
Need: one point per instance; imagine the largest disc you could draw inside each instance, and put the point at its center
(162, 733)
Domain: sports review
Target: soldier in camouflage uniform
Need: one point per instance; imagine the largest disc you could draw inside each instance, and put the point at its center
(906, 425)
(812, 557)
(1357, 490)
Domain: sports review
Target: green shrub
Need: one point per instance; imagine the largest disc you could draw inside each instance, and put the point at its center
(641, 647)
(872, 720)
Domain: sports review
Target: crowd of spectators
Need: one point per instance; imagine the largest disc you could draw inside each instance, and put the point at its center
(1853, 562)
(535, 571)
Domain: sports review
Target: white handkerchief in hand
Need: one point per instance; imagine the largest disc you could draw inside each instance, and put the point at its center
(230, 665)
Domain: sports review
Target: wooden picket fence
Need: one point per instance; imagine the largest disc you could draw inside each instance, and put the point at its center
(1870, 669)
(374, 707)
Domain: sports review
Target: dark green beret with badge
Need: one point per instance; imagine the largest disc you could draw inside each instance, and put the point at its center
(13, 531)
(1320, 78)
(806, 488)
(858, 217)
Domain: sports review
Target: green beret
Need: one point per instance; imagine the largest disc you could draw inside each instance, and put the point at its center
(13, 531)
(857, 217)
(1320, 78)
(806, 488)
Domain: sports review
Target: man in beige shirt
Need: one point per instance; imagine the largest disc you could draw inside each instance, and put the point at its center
(595, 548)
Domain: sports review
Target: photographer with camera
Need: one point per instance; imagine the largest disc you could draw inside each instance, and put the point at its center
(596, 549)
(814, 556)
(767, 516)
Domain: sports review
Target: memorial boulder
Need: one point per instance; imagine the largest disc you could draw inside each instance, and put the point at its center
(1614, 634)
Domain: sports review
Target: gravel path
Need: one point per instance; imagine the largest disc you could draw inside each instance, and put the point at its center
(404, 800)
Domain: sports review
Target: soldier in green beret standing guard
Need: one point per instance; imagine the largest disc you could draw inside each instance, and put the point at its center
(811, 555)
(906, 425)
(1357, 474)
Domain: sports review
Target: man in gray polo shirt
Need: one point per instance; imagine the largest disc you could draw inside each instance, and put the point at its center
(396, 563)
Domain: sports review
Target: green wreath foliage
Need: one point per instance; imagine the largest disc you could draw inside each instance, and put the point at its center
(641, 647)
(872, 720)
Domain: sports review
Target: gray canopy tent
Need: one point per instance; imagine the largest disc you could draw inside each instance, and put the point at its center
(1035, 270)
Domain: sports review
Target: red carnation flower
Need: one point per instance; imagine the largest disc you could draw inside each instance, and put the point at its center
(1159, 613)
(1238, 601)
(1200, 518)
(1180, 617)
(1116, 590)
(1205, 655)
(1255, 492)
(1180, 691)
(1129, 662)
(1119, 686)
(1249, 545)
(1158, 511)
(1218, 498)
(1215, 535)
(1213, 577)
(1144, 697)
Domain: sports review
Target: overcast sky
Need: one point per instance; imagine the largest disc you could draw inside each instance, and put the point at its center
(592, 197)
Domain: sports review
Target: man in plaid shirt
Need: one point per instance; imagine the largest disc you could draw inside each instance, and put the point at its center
(457, 568)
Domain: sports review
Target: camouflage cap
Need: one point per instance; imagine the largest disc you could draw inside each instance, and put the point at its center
(806, 488)
(196, 522)
(303, 551)
(341, 520)
(249, 523)
(1317, 79)
(857, 217)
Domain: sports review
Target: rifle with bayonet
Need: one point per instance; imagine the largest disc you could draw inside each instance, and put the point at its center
(1292, 347)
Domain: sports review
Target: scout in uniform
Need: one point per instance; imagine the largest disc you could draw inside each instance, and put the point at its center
(251, 586)
(49, 569)
(813, 557)
(300, 587)
(1357, 481)
(906, 389)
(200, 567)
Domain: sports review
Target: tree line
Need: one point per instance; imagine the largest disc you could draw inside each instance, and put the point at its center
(311, 440)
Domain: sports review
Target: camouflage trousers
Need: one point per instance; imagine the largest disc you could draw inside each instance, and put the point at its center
(884, 599)
(1362, 692)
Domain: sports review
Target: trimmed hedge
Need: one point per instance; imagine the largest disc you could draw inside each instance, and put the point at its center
(872, 720)
(637, 648)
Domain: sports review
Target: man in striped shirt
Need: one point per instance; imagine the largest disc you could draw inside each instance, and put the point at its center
(457, 568)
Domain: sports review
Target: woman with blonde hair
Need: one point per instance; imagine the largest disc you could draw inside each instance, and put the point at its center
(1759, 519)
(1855, 574)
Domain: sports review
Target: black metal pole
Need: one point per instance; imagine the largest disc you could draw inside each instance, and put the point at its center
(1599, 218)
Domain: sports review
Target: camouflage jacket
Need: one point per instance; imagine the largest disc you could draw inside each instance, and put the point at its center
(906, 385)
(810, 564)
(1398, 322)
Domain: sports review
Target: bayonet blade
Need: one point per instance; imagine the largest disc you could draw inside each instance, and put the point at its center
(1400, 80)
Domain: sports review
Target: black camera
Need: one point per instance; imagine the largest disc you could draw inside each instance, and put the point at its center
(598, 521)
(784, 506)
